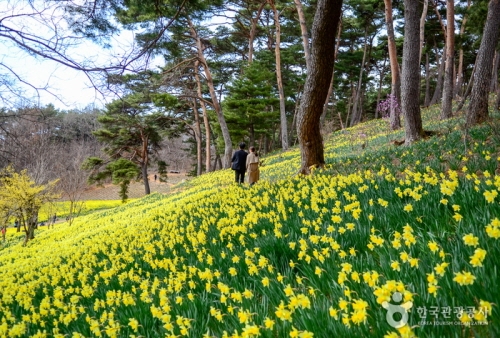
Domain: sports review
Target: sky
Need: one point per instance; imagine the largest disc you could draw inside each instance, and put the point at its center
(67, 88)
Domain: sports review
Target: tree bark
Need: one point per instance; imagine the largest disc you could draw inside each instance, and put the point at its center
(144, 161)
(197, 136)
(393, 59)
(319, 75)
(208, 143)
(294, 119)
(144, 171)
(446, 110)
(284, 125)
(303, 30)
(410, 82)
(478, 106)
(228, 146)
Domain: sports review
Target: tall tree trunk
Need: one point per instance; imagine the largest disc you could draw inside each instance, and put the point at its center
(144, 161)
(357, 110)
(228, 147)
(439, 84)
(253, 30)
(319, 75)
(208, 143)
(393, 59)
(197, 136)
(330, 89)
(410, 81)
(460, 71)
(294, 119)
(349, 103)
(284, 125)
(427, 99)
(144, 172)
(422, 29)
(478, 106)
(446, 111)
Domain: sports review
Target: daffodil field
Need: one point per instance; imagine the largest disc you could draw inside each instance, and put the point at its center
(292, 256)
(61, 209)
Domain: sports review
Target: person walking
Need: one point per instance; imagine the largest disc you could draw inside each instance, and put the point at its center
(253, 166)
(239, 161)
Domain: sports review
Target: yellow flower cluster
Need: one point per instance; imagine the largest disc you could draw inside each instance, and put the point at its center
(280, 258)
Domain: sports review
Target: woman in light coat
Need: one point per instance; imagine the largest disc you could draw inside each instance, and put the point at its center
(253, 166)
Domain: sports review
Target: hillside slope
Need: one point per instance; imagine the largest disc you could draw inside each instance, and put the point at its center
(324, 255)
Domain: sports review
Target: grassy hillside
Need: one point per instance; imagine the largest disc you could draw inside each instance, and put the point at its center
(325, 255)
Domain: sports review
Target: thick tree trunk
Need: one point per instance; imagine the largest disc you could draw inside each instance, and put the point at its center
(253, 30)
(410, 88)
(144, 171)
(284, 125)
(29, 227)
(208, 142)
(393, 59)
(357, 110)
(478, 107)
(438, 91)
(319, 75)
(446, 111)
(303, 30)
(228, 146)
(460, 70)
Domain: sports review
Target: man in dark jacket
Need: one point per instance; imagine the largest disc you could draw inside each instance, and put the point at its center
(239, 161)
